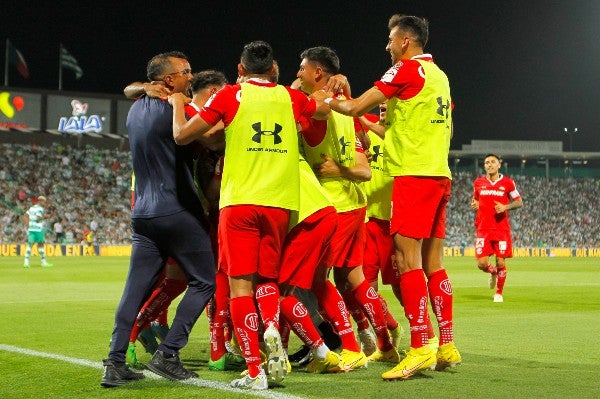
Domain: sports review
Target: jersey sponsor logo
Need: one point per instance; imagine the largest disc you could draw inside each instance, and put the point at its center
(265, 290)
(377, 152)
(442, 110)
(494, 193)
(343, 144)
(391, 73)
(443, 107)
(257, 137)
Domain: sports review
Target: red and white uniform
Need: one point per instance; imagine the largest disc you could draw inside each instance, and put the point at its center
(493, 229)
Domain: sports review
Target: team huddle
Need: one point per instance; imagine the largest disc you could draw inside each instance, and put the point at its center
(249, 197)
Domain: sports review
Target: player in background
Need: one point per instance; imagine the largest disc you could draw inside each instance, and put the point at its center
(34, 219)
(417, 143)
(493, 196)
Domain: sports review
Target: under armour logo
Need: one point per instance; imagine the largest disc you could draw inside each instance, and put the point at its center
(443, 108)
(344, 144)
(259, 133)
(377, 152)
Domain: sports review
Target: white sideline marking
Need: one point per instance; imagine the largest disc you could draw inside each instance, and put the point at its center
(199, 382)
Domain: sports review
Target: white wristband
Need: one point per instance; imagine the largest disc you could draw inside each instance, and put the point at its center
(327, 100)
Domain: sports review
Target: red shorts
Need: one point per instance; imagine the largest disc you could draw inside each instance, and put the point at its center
(419, 206)
(307, 246)
(251, 239)
(348, 244)
(379, 248)
(497, 243)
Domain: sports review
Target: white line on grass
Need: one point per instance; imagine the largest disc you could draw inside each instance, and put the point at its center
(199, 382)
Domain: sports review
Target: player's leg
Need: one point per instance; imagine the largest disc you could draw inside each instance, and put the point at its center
(30, 241)
(194, 256)
(239, 257)
(501, 266)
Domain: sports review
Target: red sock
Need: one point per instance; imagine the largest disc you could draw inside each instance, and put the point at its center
(359, 317)
(299, 320)
(332, 304)
(164, 292)
(390, 321)
(219, 317)
(430, 331)
(267, 298)
(245, 324)
(490, 269)
(501, 280)
(440, 294)
(163, 318)
(369, 300)
(414, 297)
(284, 331)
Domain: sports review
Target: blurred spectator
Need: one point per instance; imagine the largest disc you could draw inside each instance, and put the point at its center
(90, 186)
(85, 187)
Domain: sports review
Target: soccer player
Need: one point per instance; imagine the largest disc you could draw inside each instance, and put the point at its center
(417, 142)
(306, 252)
(34, 218)
(493, 196)
(379, 246)
(339, 161)
(259, 188)
(166, 205)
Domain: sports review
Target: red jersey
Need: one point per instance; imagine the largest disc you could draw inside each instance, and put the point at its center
(488, 193)
(405, 79)
(224, 104)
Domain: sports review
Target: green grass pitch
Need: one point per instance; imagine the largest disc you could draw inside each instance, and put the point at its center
(540, 343)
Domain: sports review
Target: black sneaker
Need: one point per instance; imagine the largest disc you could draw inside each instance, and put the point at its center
(169, 367)
(299, 354)
(116, 375)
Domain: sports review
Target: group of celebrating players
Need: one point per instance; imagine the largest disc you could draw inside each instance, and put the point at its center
(269, 191)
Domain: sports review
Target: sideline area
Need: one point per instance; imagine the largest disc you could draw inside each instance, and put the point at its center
(199, 382)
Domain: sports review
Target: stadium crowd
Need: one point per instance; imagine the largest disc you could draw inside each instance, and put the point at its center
(89, 193)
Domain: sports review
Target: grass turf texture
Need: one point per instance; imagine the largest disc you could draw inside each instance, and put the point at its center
(541, 342)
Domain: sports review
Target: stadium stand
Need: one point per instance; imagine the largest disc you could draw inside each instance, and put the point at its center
(89, 187)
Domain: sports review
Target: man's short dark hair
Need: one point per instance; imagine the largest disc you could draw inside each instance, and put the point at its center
(324, 56)
(203, 79)
(418, 27)
(493, 155)
(257, 57)
(159, 64)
